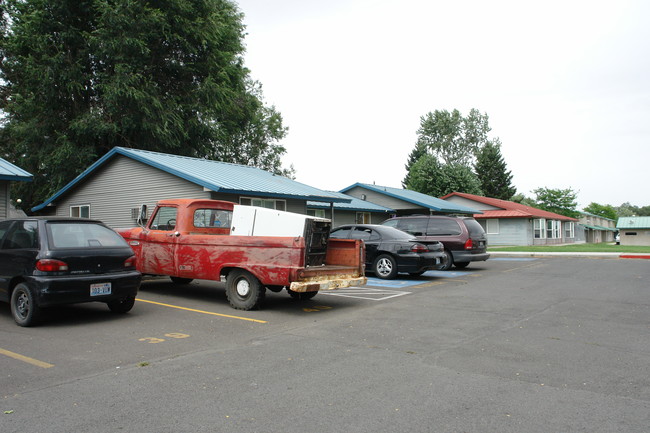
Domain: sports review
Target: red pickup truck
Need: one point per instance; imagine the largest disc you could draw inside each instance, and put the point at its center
(254, 249)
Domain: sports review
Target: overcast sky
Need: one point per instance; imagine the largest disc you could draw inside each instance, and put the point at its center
(566, 85)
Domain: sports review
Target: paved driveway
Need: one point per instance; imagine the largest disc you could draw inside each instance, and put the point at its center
(526, 345)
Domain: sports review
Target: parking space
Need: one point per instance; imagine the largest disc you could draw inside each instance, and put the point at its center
(520, 327)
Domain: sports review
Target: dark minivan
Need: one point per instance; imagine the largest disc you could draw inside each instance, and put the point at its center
(52, 261)
(463, 237)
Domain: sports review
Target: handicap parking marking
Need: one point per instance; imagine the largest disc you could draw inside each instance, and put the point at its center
(395, 284)
(367, 293)
(445, 274)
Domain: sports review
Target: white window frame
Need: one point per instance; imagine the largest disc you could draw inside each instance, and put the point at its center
(569, 230)
(492, 226)
(553, 229)
(362, 218)
(318, 213)
(79, 208)
(269, 203)
(539, 228)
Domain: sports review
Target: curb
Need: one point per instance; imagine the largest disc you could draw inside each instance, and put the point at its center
(578, 255)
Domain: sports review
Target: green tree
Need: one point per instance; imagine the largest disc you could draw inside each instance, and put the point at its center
(628, 209)
(82, 76)
(559, 201)
(452, 138)
(605, 211)
(494, 177)
(418, 151)
(430, 177)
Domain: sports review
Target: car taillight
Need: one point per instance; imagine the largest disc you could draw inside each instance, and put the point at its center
(51, 265)
(419, 248)
(468, 244)
(130, 262)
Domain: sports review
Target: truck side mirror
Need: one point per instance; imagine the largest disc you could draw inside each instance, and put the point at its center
(142, 215)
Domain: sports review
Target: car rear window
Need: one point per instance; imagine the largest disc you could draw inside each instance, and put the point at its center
(443, 227)
(82, 235)
(474, 227)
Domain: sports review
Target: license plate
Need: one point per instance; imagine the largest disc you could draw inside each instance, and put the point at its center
(100, 289)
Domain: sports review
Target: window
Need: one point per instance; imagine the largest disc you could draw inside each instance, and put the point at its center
(538, 228)
(553, 229)
(76, 235)
(364, 234)
(81, 211)
(342, 233)
(212, 218)
(569, 230)
(165, 219)
(492, 227)
(264, 202)
(23, 234)
(362, 218)
(318, 213)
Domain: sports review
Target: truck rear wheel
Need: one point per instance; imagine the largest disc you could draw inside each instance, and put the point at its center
(244, 291)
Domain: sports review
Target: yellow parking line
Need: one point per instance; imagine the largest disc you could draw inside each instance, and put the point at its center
(202, 312)
(26, 359)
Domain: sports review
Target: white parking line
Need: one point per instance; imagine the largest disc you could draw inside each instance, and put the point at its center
(367, 293)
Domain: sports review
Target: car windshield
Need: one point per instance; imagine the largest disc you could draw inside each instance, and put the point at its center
(82, 235)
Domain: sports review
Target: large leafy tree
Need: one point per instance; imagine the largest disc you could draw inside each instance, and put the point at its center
(82, 76)
(492, 172)
(559, 201)
(454, 142)
(453, 138)
(606, 211)
(433, 178)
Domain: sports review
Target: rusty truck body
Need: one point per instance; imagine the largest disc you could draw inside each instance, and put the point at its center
(252, 249)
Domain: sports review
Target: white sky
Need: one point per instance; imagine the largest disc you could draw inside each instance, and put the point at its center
(566, 85)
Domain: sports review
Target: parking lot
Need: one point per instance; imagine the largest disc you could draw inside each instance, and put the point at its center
(507, 345)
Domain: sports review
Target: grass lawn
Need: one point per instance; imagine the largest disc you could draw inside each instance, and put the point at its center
(577, 248)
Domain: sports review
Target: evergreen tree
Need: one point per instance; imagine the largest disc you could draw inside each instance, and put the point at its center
(494, 177)
(418, 151)
(82, 76)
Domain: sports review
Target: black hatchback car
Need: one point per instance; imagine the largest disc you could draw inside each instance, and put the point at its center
(52, 261)
(464, 239)
(389, 251)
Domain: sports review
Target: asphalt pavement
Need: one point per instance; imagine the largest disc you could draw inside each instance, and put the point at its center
(515, 344)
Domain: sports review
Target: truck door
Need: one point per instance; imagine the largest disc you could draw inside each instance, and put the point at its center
(158, 257)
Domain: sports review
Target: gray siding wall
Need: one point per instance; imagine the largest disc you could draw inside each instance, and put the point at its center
(470, 203)
(122, 184)
(512, 231)
(380, 199)
(4, 199)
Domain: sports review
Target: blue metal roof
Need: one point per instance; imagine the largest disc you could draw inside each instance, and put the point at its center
(214, 175)
(355, 204)
(416, 198)
(8, 171)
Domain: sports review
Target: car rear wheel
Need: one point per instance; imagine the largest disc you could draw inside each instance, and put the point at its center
(301, 296)
(449, 261)
(24, 307)
(244, 291)
(385, 267)
(121, 306)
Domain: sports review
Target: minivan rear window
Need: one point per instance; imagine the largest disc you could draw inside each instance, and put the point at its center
(443, 227)
(82, 235)
(475, 229)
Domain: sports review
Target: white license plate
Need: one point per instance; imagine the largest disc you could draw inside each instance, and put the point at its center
(100, 289)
